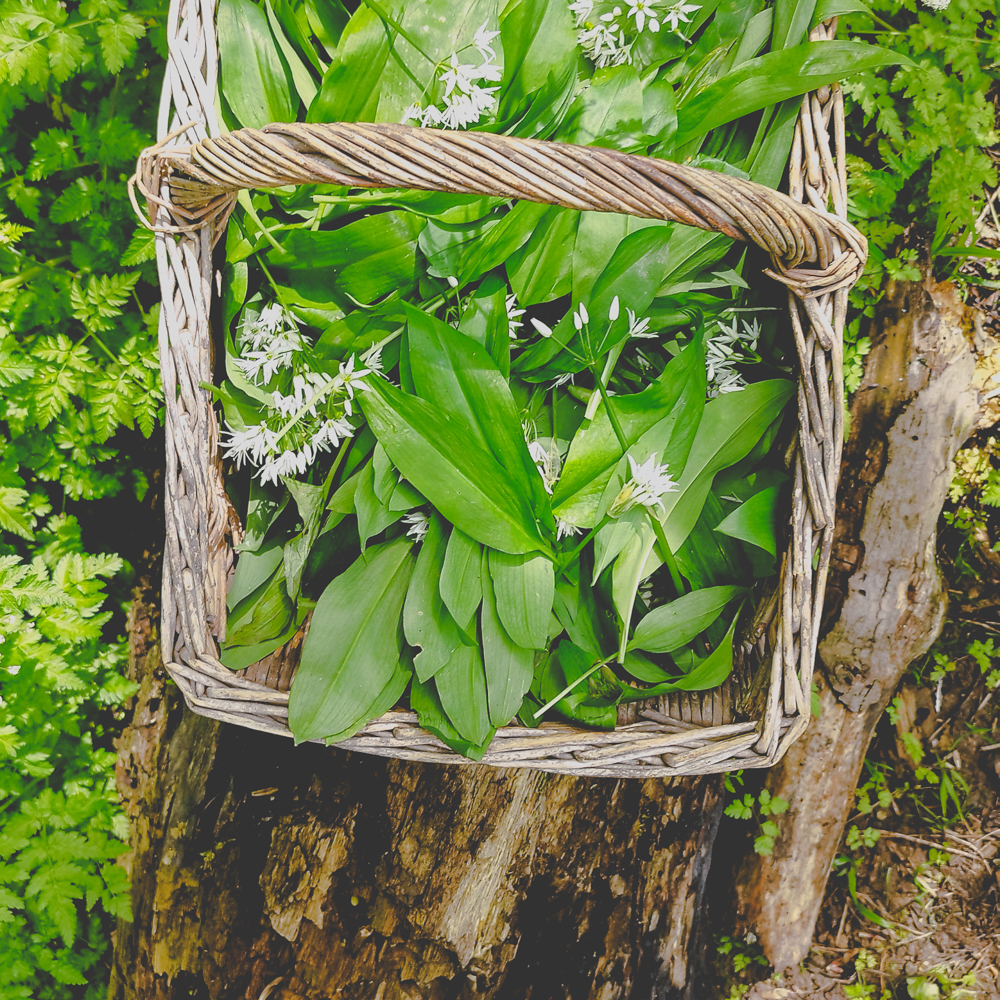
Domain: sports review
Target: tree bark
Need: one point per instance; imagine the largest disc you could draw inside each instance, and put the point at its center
(314, 872)
(885, 602)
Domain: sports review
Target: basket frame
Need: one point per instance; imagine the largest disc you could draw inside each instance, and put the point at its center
(190, 180)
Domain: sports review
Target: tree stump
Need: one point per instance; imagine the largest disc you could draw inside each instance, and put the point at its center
(262, 869)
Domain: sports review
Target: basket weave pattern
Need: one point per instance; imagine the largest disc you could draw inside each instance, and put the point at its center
(190, 180)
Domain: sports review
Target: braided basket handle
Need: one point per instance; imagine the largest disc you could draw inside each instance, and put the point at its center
(203, 180)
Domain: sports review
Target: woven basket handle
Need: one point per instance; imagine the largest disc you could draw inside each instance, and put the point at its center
(203, 180)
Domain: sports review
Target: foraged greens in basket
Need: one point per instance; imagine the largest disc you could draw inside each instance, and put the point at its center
(516, 461)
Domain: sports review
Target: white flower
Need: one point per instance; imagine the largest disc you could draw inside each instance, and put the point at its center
(640, 10)
(605, 43)
(648, 484)
(678, 14)
(250, 445)
(563, 379)
(729, 347)
(615, 309)
(465, 101)
(418, 525)
(452, 281)
(581, 9)
(565, 530)
(458, 76)
(584, 315)
(513, 316)
(347, 380)
(288, 463)
(548, 460)
(639, 328)
(542, 328)
(936, 4)
(268, 344)
(481, 39)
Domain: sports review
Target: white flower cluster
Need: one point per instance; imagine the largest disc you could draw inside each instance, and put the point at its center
(649, 483)
(465, 101)
(729, 347)
(312, 417)
(603, 36)
(418, 525)
(936, 4)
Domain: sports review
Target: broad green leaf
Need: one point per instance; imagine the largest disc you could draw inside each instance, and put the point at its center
(353, 645)
(607, 113)
(464, 482)
(327, 18)
(461, 572)
(792, 20)
(756, 521)
(252, 569)
(366, 259)
(262, 614)
(731, 425)
(827, 9)
(383, 701)
(508, 665)
(577, 611)
(629, 571)
(461, 686)
(460, 379)
(539, 41)
(775, 77)
(708, 559)
(427, 623)
(350, 88)
(305, 85)
(676, 624)
(706, 674)
(310, 501)
(440, 27)
(511, 233)
(540, 270)
(523, 585)
(241, 657)
(425, 702)
(613, 537)
(255, 77)
(373, 515)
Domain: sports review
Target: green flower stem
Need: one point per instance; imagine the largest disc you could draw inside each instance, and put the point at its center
(565, 563)
(384, 16)
(569, 687)
(611, 413)
(668, 556)
(244, 199)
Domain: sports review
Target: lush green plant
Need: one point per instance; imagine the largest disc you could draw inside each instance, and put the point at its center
(551, 366)
(917, 133)
(757, 808)
(77, 364)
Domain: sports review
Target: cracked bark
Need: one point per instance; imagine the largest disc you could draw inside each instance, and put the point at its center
(319, 873)
(885, 601)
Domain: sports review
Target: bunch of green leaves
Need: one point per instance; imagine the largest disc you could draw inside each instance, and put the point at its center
(476, 539)
(79, 383)
(60, 824)
(917, 132)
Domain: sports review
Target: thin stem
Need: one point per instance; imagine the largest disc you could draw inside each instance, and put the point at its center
(569, 687)
(564, 563)
(611, 413)
(387, 18)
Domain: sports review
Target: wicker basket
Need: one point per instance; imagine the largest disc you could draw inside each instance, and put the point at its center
(190, 180)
